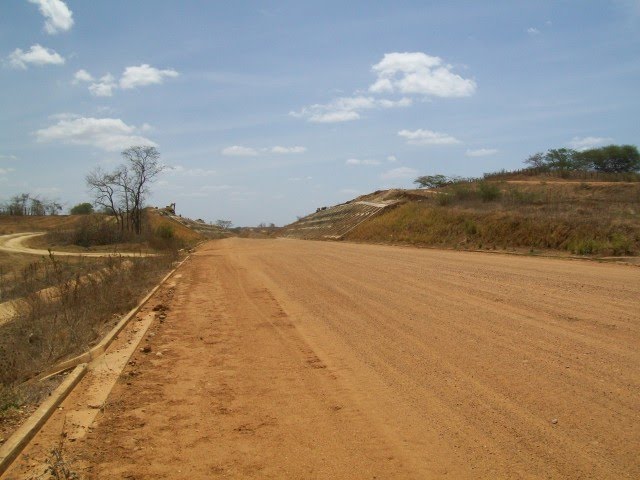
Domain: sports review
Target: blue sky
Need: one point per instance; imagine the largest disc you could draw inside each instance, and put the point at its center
(266, 110)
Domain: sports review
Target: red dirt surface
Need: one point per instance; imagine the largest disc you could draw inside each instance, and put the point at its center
(293, 359)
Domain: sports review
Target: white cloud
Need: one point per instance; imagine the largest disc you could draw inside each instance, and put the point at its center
(399, 173)
(285, 150)
(299, 179)
(58, 16)
(356, 161)
(586, 143)
(191, 172)
(345, 109)
(427, 137)
(481, 152)
(533, 31)
(110, 134)
(392, 159)
(82, 76)
(239, 151)
(144, 75)
(5, 171)
(419, 73)
(8, 157)
(37, 55)
(103, 88)
(350, 191)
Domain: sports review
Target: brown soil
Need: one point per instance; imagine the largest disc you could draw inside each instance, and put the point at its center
(293, 359)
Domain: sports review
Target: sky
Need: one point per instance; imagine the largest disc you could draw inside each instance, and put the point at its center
(263, 111)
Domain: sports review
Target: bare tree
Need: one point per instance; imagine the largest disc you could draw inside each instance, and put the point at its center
(103, 187)
(123, 192)
(224, 224)
(142, 166)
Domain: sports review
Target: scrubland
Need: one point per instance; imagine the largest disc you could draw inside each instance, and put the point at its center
(578, 217)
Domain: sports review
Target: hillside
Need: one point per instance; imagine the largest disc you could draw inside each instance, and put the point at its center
(584, 218)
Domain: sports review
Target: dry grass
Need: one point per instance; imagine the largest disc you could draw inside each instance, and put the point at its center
(45, 331)
(17, 224)
(581, 218)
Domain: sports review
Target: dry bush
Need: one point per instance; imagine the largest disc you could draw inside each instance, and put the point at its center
(47, 330)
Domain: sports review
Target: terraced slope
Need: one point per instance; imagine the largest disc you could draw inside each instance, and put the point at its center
(334, 222)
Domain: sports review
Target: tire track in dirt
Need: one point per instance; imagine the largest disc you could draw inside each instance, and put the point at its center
(293, 359)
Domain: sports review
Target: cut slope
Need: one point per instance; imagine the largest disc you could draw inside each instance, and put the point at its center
(581, 218)
(334, 222)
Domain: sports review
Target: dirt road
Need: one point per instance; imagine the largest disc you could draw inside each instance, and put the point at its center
(15, 243)
(294, 359)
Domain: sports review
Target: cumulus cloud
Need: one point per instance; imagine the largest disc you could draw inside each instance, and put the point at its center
(82, 76)
(418, 73)
(427, 137)
(481, 152)
(144, 75)
(58, 17)
(344, 109)
(533, 31)
(357, 161)
(585, 143)
(399, 173)
(37, 55)
(405, 74)
(239, 151)
(286, 150)
(5, 171)
(392, 159)
(110, 134)
(104, 87)
(131, 78)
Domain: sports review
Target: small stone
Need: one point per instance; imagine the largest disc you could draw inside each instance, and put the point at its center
(159, 354)
(95, 406)
(554, 421)
(145, 349)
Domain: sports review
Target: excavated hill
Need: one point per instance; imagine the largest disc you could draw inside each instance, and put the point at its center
(183, 227)
(583, 218)
(333, 223)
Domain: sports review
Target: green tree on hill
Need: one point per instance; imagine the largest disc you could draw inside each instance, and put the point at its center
(81, 209)
(612, 158)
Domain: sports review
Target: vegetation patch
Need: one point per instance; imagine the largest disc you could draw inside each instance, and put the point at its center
(48, 329)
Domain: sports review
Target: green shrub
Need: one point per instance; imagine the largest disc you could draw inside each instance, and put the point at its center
(620, 244)
(165, 231)
(585, 246)
(463, 191)
(444, 199)
(488, 191)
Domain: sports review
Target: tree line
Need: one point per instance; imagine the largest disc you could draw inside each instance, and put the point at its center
(24, 204)
(609, 159)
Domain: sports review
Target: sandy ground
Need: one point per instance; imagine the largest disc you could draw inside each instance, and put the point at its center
(15, 243)
(294, 359)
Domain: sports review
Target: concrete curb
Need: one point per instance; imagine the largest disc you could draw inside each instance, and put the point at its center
(101, 347)
(21, 437)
